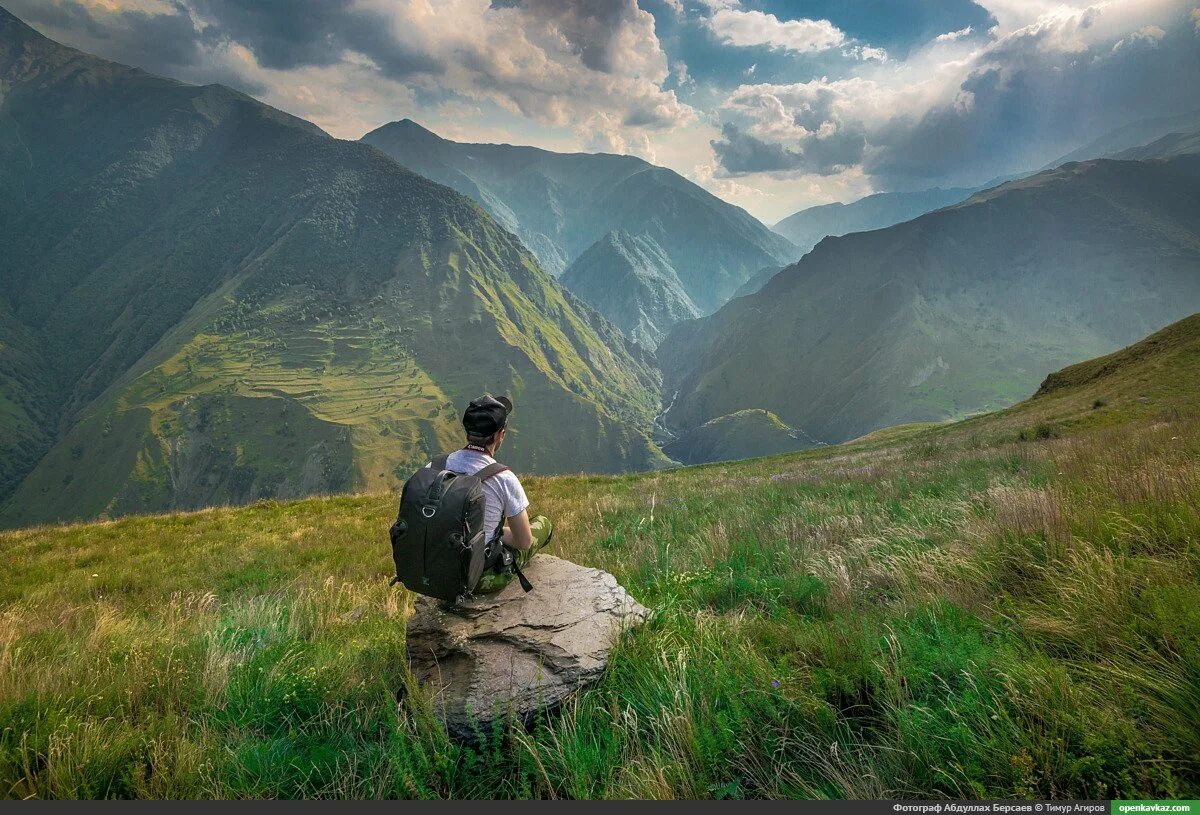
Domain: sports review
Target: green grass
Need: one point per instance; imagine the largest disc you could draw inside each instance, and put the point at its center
(1014, 619)
(745, 434)
(1003, 607)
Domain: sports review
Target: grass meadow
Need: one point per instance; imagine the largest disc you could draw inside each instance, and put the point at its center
(934, 612)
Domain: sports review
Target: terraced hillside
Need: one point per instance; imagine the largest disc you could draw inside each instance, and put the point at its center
(999, 608)
(206, 300)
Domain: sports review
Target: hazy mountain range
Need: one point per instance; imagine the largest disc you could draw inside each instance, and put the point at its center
(630, 280)
(1130, 136)
(205, 300)
(560, 204)
(807, 227)
(962, 309)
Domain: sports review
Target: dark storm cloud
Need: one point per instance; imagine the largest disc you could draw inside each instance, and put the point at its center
(740, 153)
(589, 26)
(282, 34)
(287, 34)
(161, 43)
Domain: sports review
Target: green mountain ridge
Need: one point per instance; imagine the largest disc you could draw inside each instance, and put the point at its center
(961, 310)
(807, 227)
(1153, 359)
(630, 280)
(206, 300)
(560, 204)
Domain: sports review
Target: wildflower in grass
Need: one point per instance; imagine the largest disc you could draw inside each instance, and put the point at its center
(775, 683)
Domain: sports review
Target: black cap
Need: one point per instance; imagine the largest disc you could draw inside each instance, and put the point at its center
(487, 415)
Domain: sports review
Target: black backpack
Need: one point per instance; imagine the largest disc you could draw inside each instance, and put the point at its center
(438, 541)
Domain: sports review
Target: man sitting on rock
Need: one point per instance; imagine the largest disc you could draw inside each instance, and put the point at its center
(486, 421)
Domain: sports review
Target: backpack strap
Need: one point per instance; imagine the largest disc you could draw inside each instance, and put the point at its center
(439, 462)
(525, 584)
(493, 469)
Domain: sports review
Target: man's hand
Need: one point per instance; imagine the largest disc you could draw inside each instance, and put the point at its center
(517, 533)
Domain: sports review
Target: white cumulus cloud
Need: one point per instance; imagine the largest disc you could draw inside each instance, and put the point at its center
(751, 28)
(951, 36)
(960, 111)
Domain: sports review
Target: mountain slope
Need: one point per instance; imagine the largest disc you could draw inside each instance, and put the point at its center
(960, 310)
(745, 434)
(757, 281)
(1143, 382)
(24, 397)
(560, 204)
(223, 303)
(629, 280)
(807, 227)
(1181, 143)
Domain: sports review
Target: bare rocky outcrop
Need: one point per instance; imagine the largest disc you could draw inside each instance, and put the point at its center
(519, 652)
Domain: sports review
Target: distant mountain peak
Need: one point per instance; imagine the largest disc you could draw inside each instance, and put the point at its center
(561, 204)
(407, 129)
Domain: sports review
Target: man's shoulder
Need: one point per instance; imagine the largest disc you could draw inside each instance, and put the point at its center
(508, 481)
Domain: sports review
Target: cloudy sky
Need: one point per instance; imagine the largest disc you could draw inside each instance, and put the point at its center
(772, 105)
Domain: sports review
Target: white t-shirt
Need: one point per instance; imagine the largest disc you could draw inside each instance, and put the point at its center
(503, 492)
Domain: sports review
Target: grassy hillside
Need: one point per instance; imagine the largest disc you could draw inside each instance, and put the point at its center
(979, 609)
(962, 310)
(205, 299)
(1155, 377)
(745, 434)
(560, 204)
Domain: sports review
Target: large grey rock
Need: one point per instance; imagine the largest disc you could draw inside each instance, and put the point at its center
(517, 651)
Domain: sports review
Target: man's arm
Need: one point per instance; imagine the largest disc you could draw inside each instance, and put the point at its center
(517, 533)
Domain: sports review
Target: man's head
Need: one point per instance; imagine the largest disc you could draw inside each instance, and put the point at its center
(486, 419)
